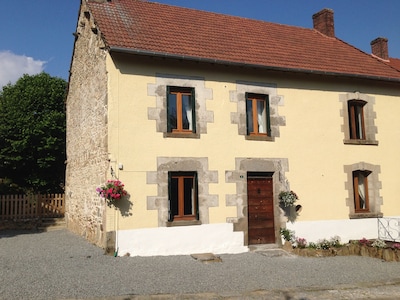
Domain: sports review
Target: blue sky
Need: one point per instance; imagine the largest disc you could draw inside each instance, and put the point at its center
(37, 36)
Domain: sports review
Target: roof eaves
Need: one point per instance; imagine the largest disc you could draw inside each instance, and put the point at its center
(256, 66)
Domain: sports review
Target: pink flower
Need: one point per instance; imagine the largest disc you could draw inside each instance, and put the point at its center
(112, 190)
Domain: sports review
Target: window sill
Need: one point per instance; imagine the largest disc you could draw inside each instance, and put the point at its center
(183, 223)
(260, 138)
(360, 142)
(189, 135)
(365, 215)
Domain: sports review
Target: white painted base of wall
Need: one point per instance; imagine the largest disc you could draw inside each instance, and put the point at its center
(182, 240)
(350, 229)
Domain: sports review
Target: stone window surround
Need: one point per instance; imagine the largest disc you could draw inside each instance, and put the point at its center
(369, 118)
(182, 164)
(374, 185)
(277, 166)
(159, 113)
(239, 117)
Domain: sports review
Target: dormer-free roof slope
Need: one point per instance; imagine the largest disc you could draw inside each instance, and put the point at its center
(395, 62)
(149, 28)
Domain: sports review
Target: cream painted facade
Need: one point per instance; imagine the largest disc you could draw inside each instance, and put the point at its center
(308, 153)
(310, 142)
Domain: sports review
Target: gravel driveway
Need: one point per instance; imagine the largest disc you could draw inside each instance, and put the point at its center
(61, 265)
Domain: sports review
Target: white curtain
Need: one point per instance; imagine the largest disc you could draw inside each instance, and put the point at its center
(359, 120)
(189, 117)
(361, 190)
(187, 108)
(261, 116)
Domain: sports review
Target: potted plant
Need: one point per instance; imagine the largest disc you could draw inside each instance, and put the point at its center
(113, 190)
(287, 199)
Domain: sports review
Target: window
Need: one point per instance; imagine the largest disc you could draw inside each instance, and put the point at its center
(356, 119)
(181, 110)
(360, 187)
(257, 114)
(359, 117)
(183, 203)
(247, 96)
(363, 190)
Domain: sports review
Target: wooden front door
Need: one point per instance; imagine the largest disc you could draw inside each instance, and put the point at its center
(260, 209)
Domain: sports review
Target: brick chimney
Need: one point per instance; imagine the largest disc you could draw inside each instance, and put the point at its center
(323, 22)
(379, 47)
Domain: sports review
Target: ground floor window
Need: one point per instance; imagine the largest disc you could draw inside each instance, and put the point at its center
(183, 197)
(360, 186)
(363, 187)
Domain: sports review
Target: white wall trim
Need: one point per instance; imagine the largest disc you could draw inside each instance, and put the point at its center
(182, 240)
(347, 229)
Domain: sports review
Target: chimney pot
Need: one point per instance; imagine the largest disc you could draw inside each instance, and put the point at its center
(323, 22)
(379, 47)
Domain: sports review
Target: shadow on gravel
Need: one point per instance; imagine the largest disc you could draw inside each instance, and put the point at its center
(7, 233)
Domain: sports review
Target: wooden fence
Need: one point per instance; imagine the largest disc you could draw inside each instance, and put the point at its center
(14, 207)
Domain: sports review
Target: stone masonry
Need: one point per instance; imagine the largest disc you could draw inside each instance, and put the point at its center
(87, 158)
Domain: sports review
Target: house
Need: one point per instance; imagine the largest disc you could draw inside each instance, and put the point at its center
(207, 120)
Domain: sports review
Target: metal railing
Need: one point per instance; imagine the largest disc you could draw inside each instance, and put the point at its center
(389, 229)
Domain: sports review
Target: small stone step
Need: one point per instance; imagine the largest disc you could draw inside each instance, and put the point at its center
(275, 253)
(269, 250)
(51, 224)
(262, 247)
(206, 257)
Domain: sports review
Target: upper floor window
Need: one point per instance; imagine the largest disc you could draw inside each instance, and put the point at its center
(183, 198)
(359, 117)
(181, 110)
(257, 114)
(360, 187)
(356, 119)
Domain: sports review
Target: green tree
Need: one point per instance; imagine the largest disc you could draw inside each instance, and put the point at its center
(32, 135)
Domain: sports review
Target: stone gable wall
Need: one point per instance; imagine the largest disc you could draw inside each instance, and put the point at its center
(87, 158)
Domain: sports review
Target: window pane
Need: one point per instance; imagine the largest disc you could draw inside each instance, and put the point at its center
(361, 191)
(187, 112)
(189, 196)
(249, 111)
(358, 113)
(172, 118)
(356, 120)
(174, 196)
(183, 196)
(360, 184)
(261, 116)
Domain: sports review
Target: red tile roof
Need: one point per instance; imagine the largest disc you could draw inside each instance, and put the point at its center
(151, 28)
(395, 62)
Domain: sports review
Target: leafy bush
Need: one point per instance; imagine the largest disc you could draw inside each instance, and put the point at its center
(396, 246)
(300, 243)
(335, 241)
(312, 245)
(379, 244)
(364, 242)
(287, 234)
(323, 244)
(32, 135)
